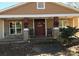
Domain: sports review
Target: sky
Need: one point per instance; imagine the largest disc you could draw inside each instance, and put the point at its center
(6, 4)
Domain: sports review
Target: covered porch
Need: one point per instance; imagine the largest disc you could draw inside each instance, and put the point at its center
(39, 27)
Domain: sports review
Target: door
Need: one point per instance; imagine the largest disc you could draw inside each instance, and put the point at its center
(40, 27)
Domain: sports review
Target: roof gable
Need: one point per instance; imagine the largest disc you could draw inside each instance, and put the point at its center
(30, 8)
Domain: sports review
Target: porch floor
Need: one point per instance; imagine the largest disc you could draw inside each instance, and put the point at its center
(9, 40)
(31, 40)
(40, 39)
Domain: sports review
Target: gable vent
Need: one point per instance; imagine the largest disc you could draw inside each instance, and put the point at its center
(40, 5)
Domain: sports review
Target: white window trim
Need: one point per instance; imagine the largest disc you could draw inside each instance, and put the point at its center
(15, 29)
(38, 7)
(62, 21)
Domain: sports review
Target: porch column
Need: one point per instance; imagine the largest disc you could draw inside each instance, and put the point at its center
(55, 27)
(45, 27)
(33, 27)
(76, 24)
(1, 29)
(26, 30)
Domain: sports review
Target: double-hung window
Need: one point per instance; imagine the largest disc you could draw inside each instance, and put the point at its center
(15, 27)
(63, 23)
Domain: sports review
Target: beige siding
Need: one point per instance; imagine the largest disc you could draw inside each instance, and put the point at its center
(76, 24)
(6, 28)
(30, 23)
(70, 22)
(1, 28)
(73, 22)
(49, 23)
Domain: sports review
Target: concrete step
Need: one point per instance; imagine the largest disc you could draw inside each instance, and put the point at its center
(41, 40)
(11, 41)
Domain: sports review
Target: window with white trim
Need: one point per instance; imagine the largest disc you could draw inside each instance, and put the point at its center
(40, 5)
(63, 23)
(15, 27)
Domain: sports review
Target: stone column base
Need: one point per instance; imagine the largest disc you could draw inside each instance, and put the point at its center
(55, 32)
(26, 34)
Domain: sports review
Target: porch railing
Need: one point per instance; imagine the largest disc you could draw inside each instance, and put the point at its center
(32, 33)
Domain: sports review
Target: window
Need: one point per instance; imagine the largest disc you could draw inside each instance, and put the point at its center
(62, 23)
(12, 28)
(40, 5)
(15, 27)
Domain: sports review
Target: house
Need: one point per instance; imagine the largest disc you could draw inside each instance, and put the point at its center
(43, 19)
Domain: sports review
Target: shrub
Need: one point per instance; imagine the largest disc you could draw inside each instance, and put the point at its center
(67, 33)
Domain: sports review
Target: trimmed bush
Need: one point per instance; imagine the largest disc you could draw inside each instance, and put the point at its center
(68, 33)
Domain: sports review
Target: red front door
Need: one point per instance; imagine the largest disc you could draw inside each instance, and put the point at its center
(40, 27)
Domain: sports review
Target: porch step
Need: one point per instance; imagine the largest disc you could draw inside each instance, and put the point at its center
(41, 40)
(7, 41)
(11, 39)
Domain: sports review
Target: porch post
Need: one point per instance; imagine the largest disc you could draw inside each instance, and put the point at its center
(77, 25)
(55, 27)
(33, 27)
(45, 27)
(78, 28)
(26, 30)
(78, 22)
(3, 29)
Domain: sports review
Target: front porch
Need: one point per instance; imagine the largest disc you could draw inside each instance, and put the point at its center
(43, 28)
(11, 29)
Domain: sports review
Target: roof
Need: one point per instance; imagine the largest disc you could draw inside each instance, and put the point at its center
(72, 4)
(12, 6)
(15, 9)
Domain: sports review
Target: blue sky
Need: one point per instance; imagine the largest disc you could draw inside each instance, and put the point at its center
(6, 4)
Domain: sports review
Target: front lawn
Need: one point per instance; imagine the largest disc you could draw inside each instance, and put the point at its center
(24, 49)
